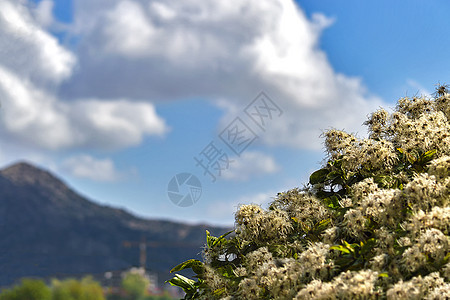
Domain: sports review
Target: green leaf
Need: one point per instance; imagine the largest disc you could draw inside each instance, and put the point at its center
(322, 225)
(188, 285)
(344, 261)
(318, 176)
(212, 241)
(219, 292)
(383, 275)
(333, 175)
(384, 181)
(332, 202)
(221, 238)
(427, 157)
(350, 247)
(226, 271)
(367, 246)
(194, 264)
(338, 163)
(446, 258)
(340, 248)
(209, 239)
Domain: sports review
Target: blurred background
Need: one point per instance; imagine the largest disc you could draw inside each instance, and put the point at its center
(132, 124)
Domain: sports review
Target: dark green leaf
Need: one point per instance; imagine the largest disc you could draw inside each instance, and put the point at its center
(427, 157)
(322, 225)
(219, 292)
(194, 264)
(318, 176)
(333, 175)
(221, 238)
(226, 271)
(188, 285)
(332, 202)
(367, 246)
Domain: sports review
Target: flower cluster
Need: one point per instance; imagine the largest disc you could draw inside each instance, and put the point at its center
(429, 287)
(255, 224)
(373, 222)
(304, 207)
(440, 167)
(284, 277)
(348, 285)
(359, 154)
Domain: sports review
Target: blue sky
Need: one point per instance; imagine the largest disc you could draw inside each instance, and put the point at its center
(119, 96)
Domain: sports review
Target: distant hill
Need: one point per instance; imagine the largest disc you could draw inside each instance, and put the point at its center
(46, 229)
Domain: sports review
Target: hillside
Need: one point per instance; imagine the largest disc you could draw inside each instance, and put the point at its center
(46, 229)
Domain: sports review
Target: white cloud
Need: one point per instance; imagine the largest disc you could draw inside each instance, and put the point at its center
(321, 22)
(28, 50)
(44, 13)
(162, 10)
(129, 29)
(250, 164)
(32, 65)
(115, 123)
(131, 53)
(36, 118)
(29, 114)
(85, 166)
(218, 50)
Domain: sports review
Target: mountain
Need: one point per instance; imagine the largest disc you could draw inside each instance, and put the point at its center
(47, 229)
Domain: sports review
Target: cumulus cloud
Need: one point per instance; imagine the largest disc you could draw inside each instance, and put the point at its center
(85, 166)
(224, 51)
(250, 164)
(32, 65)
(44, 13)
(27, 49)
(36, 118)
(133, 53)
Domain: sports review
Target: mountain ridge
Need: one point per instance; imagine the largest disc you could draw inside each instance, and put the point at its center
(48, 228)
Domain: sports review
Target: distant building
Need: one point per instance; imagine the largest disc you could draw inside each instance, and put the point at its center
(112, 280)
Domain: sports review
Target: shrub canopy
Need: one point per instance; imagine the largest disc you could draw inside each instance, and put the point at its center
(372, 223)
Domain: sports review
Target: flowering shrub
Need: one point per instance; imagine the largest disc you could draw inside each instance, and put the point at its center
(373, 223)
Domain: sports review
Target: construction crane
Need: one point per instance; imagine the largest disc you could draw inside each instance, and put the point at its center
(143, 244)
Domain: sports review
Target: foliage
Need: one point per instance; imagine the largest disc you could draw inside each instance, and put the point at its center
(72, 289)
(135, 284)
(372, 223)
(69, 289)
(30, 289)
(164, 296)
